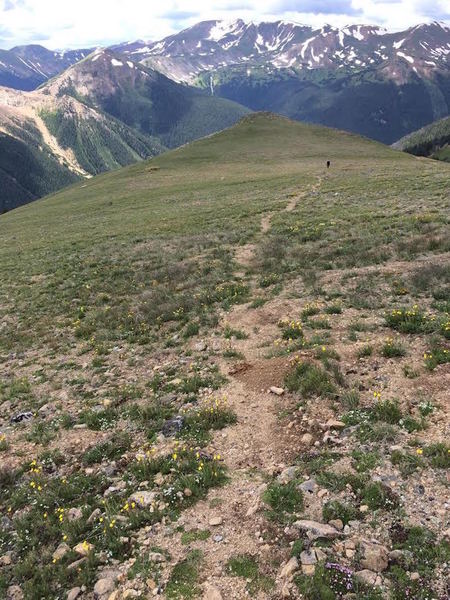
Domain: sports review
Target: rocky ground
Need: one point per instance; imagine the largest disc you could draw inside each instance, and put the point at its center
(296, 448)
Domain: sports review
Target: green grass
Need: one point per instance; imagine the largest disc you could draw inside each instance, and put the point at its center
(310, 379)
(107, 285)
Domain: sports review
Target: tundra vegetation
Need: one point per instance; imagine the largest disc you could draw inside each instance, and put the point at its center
(223, 372)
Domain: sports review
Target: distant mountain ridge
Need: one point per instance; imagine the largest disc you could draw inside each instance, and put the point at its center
(27, 67)
(281, 44)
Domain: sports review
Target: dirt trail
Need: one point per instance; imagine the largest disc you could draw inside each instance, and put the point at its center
(252, 449)
(245, 255)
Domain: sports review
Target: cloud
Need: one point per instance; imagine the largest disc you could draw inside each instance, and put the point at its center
(62, 24)
(324, 7)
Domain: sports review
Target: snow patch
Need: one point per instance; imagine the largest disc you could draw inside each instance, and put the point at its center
(406, 57)
(116, 63)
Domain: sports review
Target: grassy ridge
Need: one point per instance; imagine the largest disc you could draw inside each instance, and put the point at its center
(107, 288)
(121, 230)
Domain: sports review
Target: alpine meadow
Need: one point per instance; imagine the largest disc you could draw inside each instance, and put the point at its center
(225, 334)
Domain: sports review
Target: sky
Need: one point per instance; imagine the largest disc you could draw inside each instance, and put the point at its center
(59, 24)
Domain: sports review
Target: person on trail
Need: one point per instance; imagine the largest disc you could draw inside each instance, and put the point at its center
(328, 164)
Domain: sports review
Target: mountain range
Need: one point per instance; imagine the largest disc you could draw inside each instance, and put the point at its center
(66, 115)
(100, 114)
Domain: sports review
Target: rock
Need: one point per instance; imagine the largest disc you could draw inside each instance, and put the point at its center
(333, 424)
(308, 486)
(129, 594)
(286, 590)
(307, 439)
(363, 508)
(446, 533)
(212, 593)
(84, 548)
(415, 576)
(337, 523)
(143, 499)
(76, 564)
(173, 426)
(94, 515)
(396, 556)
(6, 560)
(187, 492)
(20, 418)
(61, 551)
(373, 556)
(104, 587)
(215, 521)
(308, 570)
(289, 568)
(315, 530)
(200, 346)
(73, 514)
(322, 493)
(287, 475)
(14, 592)
(159, 479)
(276, 390)
(156, 557)
(367, 577)
(308, 557)
(74, 593)
(218, 538)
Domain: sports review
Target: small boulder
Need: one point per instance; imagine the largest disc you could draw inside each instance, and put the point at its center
(308, 557)
(215, 521)
(277, 391)
(61, 551)
(307, 439)
(83, 549)
(373, 556)
(74, 593)
(212, 593)
(315, 530)
(289, 568)
(143, 499)
(104, 587)
(287, 475)
(334, 424)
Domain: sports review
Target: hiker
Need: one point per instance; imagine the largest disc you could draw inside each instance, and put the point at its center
(328, 164)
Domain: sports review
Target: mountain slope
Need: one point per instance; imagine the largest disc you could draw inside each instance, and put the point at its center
(432, 141)
(145, 99)
(48, 142)
(147, 318)
(27, 67)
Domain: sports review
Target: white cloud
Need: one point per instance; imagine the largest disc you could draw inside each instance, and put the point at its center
(77, 23)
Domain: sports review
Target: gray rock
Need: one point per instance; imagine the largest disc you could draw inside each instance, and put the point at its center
(200, 346)
(287, 475)
(367, 577)
(173, 426)
(19, 418)
(315, 530)
(308, 487)
(308, 557)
